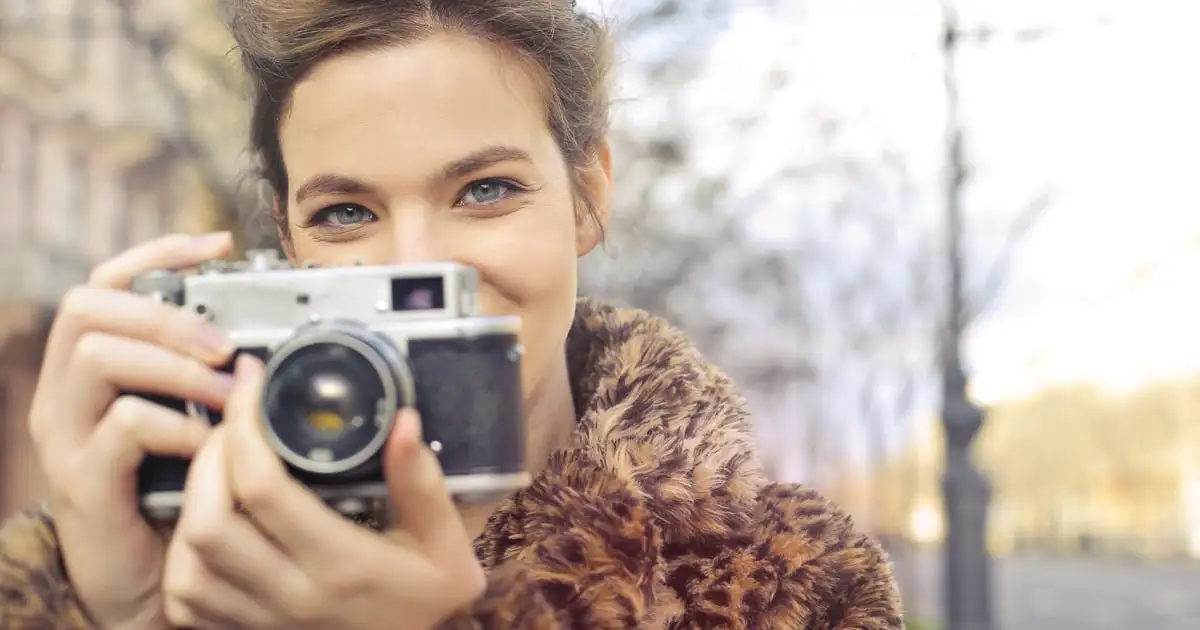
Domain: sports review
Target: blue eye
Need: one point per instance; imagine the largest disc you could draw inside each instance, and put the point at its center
(343, 215)
(487, 191)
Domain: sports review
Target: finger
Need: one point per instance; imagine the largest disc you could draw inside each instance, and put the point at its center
(176, 251)
(94, 495)
(103, 365)
(135, 427)
(193, 597)
(226, 541)
(107, 465)
(417, 489)
(85, 309)
(300, 522)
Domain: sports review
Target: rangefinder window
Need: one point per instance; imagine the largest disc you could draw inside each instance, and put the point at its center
(418, 294)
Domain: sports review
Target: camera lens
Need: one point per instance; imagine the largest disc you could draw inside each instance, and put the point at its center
(331, 397)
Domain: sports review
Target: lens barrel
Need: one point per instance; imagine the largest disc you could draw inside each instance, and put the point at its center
(331, 395)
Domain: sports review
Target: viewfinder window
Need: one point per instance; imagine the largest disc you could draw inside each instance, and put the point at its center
(418, 294)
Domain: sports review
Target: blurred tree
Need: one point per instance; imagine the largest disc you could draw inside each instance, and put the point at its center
(1070, 462)
(808, 278)
(1093, 464)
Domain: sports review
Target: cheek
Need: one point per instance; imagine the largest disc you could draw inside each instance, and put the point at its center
(375, 249)
(529, 268)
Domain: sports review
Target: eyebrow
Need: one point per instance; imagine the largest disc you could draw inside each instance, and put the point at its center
(482, 159)
(329, 184)
(333, 184)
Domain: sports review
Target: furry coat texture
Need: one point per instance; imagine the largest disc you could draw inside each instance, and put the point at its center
(657, 516)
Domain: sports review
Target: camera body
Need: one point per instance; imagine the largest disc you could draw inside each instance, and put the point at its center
(345, 349)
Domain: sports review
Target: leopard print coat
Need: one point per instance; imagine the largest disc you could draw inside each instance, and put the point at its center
(657, 516)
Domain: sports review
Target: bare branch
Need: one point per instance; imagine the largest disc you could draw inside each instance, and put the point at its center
(999, 273)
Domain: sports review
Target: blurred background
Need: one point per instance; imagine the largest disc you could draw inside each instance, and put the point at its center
(801, 184)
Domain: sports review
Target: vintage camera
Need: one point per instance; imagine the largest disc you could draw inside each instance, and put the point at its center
(346, 348)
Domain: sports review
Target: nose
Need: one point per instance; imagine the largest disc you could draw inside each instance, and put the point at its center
(414, 238)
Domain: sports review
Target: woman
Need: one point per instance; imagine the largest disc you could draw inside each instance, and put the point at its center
(394, 132)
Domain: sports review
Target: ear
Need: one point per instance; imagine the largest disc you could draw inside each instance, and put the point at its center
(596, 183)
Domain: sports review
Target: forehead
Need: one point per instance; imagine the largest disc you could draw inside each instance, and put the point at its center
(429, 101)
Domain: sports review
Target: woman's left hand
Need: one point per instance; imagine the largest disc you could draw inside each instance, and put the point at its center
(296, 563)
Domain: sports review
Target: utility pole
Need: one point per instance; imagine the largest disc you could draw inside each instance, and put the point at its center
(966, 493)
(965, 490)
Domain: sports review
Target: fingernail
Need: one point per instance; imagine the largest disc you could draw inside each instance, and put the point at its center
(212, 239)
(241, 367)
(410, 424)
(213, 339)
(245, 366)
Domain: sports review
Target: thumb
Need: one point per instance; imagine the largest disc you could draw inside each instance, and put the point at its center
(417, 488)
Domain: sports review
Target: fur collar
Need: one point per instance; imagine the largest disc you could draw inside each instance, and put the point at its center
(655, 416)
(658, 515)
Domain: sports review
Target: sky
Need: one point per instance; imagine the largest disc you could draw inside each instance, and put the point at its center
(1099, 114)
(1101, 291)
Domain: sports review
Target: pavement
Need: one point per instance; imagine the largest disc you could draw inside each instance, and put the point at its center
(1040, 592)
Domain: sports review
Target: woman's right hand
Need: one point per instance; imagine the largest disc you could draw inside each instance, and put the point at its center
(90, 438)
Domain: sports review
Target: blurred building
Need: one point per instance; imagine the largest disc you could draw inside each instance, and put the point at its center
(96, 154)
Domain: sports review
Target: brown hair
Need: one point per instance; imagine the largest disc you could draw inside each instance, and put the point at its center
(281, 41)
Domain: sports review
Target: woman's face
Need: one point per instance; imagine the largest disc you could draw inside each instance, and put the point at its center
(440, 151)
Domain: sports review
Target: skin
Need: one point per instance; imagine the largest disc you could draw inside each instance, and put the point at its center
(449, 159)
(513, 219)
